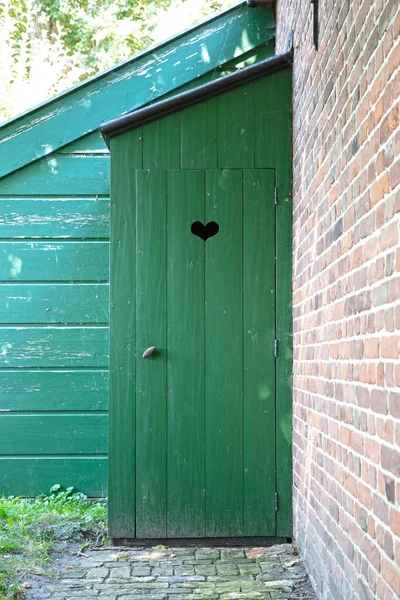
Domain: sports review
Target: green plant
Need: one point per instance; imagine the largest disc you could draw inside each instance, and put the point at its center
(30, 529)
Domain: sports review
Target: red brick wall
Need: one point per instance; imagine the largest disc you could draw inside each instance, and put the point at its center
(346, 294)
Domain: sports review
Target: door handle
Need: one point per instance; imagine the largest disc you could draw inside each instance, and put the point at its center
(149, 352)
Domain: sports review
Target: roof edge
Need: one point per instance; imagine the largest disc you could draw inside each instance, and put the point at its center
(165, 107)
(132, 59)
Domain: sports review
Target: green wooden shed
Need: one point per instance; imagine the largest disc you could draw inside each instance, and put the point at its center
(200, 366)
(54, 255)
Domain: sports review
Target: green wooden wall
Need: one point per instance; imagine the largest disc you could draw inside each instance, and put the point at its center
(246, 128)
(54, 314)
(54, 322)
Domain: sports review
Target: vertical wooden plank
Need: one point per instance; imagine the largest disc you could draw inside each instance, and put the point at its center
(259, 362)
(236, 128)
(151, 413)
(224, 356)
(126, 154)
(198, 148)
(161, 143)
(274, 149)
(273, 140)
(186, 436)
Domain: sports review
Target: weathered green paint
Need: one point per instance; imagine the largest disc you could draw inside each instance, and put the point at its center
(236, 129)
(59, 303)
(91, 143)
(30, 476)
(258, 347)
(53, 434)
(54, 218)
(53, 347)
(150, 200)
(55, 273)
(161, 144)
(209, 440)
(185, 351)
(257, 54)
(198, 136)
(126, 157)
(54, 238)
(53, 261)
(277, 124)
(48, 390)
(60, 175)
(225, 402)
(134, 83)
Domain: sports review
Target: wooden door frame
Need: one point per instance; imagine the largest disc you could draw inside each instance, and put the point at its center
(283, 372)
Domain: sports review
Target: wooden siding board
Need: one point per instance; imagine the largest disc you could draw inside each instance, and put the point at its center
(273, 152)
(53, 347)
(273, 149)
(224, 339)
(258, 360)
(34, 476)
(161, 143)
(151, 330)
(126, 155)
(236, 128)
(60, 175)
(154, 72)
(59, 217)
(59, 303)
(50, 434)
(51, 390)
(186, 420)
(91, 142)
(54, 261)
(257, 54)
(73, 388)
(198, 136)
(273, 140)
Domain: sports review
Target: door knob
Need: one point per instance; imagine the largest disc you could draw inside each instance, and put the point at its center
(149, 352)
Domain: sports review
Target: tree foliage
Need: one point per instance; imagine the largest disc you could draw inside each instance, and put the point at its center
(49, 45)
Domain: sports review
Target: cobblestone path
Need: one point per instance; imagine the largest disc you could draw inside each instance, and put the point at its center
(162, 573)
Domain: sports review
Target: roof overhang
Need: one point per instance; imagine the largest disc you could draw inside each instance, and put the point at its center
(147, 77)
(165, 107)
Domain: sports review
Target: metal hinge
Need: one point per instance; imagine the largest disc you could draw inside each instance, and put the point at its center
(276, 348)
(276, 195)
(276, 501)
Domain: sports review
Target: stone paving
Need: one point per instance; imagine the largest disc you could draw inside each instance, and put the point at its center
(163, 573)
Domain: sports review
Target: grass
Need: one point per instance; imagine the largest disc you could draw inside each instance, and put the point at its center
(30, 528)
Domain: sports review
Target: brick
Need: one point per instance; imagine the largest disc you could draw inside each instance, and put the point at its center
(380, 294)
(389, 346)
(379, 189)
(391, 574)
(389, 236)
(394, 290)
(347, 308)
(394, 404)
(391, 460)
(379, 401)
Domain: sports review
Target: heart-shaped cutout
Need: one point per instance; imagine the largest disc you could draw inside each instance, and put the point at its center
(205, 231)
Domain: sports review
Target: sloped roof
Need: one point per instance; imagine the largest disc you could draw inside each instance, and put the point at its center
(203, 92)
(132, 84)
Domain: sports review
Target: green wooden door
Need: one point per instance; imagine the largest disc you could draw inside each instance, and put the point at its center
(205, 402)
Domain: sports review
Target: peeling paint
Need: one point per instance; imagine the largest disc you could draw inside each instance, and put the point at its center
(16, 265)
(22, 139)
